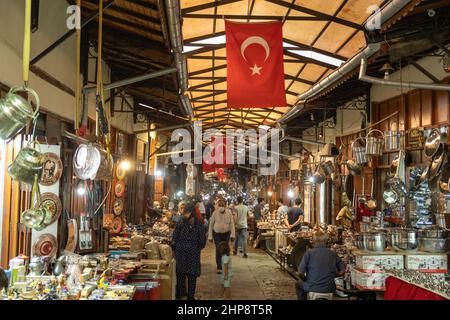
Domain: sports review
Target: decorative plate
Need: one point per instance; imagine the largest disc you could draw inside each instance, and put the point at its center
(120, 173)
(52, 169)
(52, 202)
(118, 207)
(45, 245)
(119, 189)
(108, 220)
(117, 225)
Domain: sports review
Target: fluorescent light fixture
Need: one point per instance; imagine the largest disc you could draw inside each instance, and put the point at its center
(213, 40)
(190, 48)
(318, 56)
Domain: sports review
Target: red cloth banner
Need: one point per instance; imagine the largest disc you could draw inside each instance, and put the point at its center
(220, 155)
(397, 289)
(255, 69)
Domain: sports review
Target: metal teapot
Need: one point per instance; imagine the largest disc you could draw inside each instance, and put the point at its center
(36, 266)
(26, 165)
(16, 112)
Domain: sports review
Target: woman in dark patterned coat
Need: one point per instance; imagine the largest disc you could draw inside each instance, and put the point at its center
(188, 241)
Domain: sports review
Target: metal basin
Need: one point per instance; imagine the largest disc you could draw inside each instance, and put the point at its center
(433, 232)
(434, 245)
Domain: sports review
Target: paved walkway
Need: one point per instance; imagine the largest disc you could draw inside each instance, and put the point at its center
(257, 278)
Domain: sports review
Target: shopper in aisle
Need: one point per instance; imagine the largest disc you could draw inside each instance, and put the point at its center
(282, 210)
(257, 213)
(227, 275)
(198, 209)
(188, 241)
(294, 217)
(221, 228)
(242, 213)
(318, 268)
(179, 215)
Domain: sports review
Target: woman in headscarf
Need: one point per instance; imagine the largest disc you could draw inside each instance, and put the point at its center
(179, 215)
(188, 241)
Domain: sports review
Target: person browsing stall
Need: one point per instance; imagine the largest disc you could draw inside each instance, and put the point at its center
(294, 217)
(318, 268)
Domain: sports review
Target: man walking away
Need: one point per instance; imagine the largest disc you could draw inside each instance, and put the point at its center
(241, 226)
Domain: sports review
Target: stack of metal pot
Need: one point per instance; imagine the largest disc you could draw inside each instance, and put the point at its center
(371, 241)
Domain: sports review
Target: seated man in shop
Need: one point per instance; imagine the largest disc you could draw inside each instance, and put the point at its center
(318, 268)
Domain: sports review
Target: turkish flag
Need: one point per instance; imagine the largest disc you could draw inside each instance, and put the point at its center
(255, 70)
(219, 155)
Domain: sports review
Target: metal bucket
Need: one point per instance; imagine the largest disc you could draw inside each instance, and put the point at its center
(360, 152)
(26, 165)
(391, 140)
(15, 112)
(374, 144)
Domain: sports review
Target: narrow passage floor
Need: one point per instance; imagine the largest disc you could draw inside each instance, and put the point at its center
(256, 278)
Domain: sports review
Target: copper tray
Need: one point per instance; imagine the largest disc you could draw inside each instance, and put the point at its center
(117, 225)
(52, 202)
(51, 170)
(45, 245)
(118, 207)
(119, 189)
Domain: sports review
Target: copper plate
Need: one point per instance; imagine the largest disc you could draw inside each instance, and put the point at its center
(119, 189)
(51, 170)
(117, 225)
(120, 173)
(118, 207)
(52, 202)
(45, 245)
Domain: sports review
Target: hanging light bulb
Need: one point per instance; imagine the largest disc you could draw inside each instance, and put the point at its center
(290, 193)
(312, 116)
(387, 69)
(81, 190)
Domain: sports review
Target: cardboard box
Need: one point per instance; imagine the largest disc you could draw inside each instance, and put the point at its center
(427, 262)
(370, 280)
(375, 263)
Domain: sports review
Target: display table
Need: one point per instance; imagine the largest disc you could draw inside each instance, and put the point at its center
(398, 289)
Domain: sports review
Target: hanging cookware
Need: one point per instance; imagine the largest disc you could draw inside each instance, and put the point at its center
(52, 168)
(371, 203)
(33, 217)
(327, 167)
(433, 142)
(45, 245)
(390, 197)
(119, 189)
(359, 151)
(86, 161)
(424, 176)
(444, 177)
(52, 202)
(354, 168)
(392, 139)
(118, 207)
(26, 165)
(105, 170)
(396, 184)
(318, 177)
(16, 112)
(374, 144)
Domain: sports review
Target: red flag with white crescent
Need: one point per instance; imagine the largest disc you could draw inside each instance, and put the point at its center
(255, 69)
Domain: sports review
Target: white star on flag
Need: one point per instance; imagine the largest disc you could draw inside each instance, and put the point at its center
(256, 70)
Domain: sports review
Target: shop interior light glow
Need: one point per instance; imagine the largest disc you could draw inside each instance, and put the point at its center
(158, 173)
(269, 193)
(81, 190)
(290, 194)
(125, 165)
